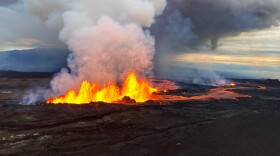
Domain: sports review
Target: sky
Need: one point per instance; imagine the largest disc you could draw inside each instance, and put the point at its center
(252, 54)
(19, 30)
(240, 39)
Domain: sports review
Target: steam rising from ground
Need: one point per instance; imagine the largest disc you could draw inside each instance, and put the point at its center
(106, 37)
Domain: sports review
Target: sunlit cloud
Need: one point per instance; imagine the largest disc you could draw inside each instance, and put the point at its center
(204, 58)
(23, 44)
(254, 54)
(256, 42)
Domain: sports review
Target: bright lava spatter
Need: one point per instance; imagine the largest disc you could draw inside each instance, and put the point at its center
(138, 90)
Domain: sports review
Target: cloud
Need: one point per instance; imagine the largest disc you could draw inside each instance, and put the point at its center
(212, 20)
(241, 60)
(265, 42)
(188, 26)
(19, 30)
(185, 26)
(7, 2)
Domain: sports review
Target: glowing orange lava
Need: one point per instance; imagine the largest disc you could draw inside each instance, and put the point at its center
(232, 84)
(140, 91)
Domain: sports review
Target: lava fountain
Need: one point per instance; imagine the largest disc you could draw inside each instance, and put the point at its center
(132, 88)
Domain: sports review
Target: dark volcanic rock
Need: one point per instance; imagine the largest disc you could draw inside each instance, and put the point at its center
(15, 74)
(127, 99)
(249, 126)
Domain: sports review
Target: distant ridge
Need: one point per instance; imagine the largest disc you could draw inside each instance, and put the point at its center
(40, 59)
(16, 74)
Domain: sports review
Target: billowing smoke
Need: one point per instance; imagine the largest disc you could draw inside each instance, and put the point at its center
(198, 25)
(210, 20)
(106, 37)
(109, 38)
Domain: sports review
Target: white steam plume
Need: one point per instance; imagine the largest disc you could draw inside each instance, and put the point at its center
(106, 37)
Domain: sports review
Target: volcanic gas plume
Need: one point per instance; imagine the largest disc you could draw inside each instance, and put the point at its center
(106, 37)
(111, 44)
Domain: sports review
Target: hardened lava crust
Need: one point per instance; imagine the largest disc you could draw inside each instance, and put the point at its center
(206, 126)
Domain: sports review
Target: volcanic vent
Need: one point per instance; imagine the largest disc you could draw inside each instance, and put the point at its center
(132, 89)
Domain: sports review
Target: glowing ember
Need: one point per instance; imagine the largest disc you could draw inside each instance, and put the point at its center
(140, 91)
(232, 84)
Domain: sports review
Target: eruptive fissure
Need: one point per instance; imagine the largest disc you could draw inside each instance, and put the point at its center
(133, 89)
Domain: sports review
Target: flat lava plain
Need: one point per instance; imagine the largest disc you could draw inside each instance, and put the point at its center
(247, 126)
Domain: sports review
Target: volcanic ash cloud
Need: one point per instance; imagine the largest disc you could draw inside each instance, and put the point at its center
(106, 36)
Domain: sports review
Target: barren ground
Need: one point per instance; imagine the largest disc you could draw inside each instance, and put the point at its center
(248, 126)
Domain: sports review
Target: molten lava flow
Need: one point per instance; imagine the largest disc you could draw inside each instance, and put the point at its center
(164, 85)
(140, 91)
